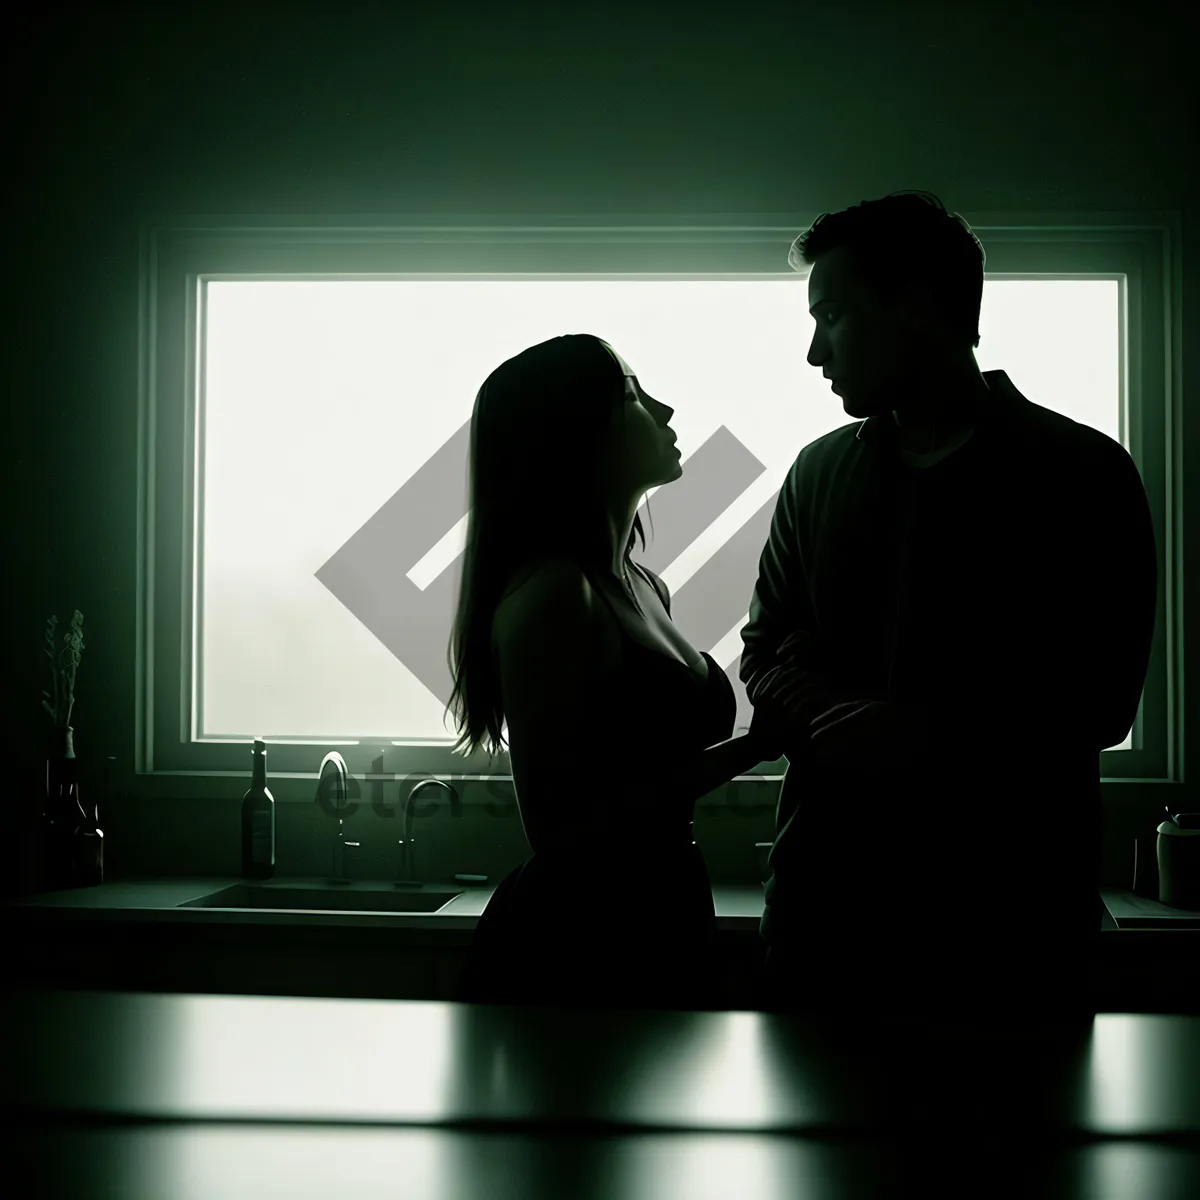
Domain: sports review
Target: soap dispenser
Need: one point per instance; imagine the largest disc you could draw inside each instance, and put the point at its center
(1179, 861)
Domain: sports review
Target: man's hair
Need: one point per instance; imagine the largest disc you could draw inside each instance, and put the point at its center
(903, 239)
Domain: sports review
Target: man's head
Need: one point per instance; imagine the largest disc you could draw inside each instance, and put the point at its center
(894, 288)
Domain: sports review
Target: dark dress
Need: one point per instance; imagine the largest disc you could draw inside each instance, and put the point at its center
(625, 920)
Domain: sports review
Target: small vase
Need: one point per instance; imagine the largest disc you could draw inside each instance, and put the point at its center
(71, 838)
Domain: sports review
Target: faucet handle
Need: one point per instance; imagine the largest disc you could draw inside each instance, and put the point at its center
(338, 874)
(405, 878)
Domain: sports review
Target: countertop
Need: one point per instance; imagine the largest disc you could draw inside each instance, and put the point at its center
(154, 900)
(172, 1097)
(738, 907)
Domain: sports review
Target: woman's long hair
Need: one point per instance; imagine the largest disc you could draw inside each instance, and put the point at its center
(538, 427)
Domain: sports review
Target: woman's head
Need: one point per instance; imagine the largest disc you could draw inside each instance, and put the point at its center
(563, 439)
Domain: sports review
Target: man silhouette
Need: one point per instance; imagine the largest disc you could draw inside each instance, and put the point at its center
(967, 585)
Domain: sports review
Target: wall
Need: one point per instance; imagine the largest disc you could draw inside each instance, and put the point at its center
(456, 108)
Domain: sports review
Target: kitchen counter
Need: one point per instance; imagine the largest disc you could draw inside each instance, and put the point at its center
(132, 935)
(153, 900)
(738, 907)
(175, 1097)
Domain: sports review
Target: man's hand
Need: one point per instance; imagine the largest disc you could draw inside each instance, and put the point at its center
(873, 736)
(797, 686)
(788, 696)
(794, 703)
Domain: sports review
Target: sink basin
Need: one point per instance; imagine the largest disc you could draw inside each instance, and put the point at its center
(315, 897)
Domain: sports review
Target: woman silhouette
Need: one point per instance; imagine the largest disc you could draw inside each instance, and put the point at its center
(563, 637)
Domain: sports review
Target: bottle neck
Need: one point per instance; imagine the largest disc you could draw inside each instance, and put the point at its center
(260, 769)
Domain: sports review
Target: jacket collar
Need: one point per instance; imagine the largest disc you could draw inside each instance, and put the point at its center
(1001, 402)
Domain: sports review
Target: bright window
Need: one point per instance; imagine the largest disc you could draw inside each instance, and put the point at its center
(332, 446)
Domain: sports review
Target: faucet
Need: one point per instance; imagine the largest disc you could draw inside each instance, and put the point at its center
(341, 790)
(407, 879)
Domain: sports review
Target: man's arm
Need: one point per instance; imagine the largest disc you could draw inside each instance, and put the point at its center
(780, 604)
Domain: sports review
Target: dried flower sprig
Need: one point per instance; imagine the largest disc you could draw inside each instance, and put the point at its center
(62, 669)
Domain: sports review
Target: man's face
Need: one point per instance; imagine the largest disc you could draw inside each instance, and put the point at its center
(869, 350)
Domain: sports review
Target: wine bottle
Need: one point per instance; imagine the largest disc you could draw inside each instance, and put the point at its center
(258, 821)
(63, 814)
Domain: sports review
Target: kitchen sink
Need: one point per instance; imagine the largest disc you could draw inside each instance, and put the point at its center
(310, 897)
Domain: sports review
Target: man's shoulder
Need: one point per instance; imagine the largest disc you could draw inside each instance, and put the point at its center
(833, 444)
(1054, 430)
(818, 456)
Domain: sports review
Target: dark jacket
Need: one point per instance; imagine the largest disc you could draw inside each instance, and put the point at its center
(1004, 595)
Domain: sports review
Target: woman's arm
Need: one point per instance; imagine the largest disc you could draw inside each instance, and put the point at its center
(786, 702)
(719, 764)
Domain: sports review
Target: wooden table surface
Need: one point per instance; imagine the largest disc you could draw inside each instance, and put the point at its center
(137, 1095)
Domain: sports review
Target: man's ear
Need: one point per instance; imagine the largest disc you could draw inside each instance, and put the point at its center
(915, 306)
(926, 316)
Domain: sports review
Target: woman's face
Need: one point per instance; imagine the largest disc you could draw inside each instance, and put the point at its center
(642, 452)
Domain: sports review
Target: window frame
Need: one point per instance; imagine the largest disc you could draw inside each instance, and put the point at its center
(177, 254)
